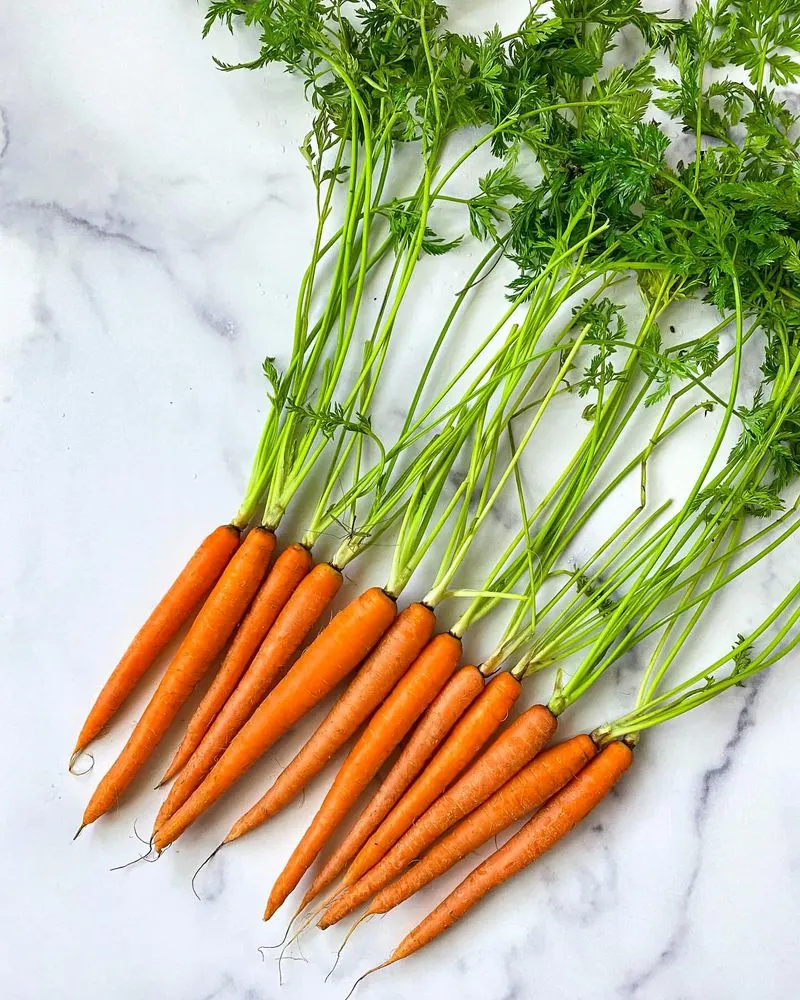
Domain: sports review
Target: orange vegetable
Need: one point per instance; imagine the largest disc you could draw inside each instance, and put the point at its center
(304, 609)
(171, 613)
(459, 693)
(478, 724)
(336, 651)
(386, 729)
(515, 747)
(385, 665)
(205, 640)
(552, 823)
(530, 788)
(290, 567)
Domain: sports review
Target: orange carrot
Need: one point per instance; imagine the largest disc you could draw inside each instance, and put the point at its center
(336, 651)
(530, 788)
(461, 748)
(290, 567)
(553, 822)
(382, 669)
(512, 750)
(450, 704)
(205, 640)
(302, 612)
(171, 613)
(386, 729)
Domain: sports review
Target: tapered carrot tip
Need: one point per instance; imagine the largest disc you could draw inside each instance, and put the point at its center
(309, 897)
(79, 832)
(272, 906)
(174, 767)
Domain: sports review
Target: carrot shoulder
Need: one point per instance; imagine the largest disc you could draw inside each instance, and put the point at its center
(552, 823)
(304, 609)
(336, 651)
(175, 608)
(386, 729)
(205, 640)
(290, 567)
(385, 665)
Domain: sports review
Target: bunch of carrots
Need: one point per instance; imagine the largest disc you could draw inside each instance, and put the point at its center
(597, 235)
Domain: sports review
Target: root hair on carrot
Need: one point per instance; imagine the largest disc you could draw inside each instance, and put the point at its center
(76, 756)
(292, 958)
(347, 937)
(135, 861)
(202, 866)
(364, 975)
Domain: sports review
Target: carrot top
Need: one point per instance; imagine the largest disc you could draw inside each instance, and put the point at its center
(780, 634)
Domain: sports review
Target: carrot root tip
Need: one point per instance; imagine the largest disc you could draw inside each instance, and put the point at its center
(216, 850)
(364, 975)
(278, 944)
(342, 945)
(78, 832)
(135, 861)
(293, 958)
(77, 753)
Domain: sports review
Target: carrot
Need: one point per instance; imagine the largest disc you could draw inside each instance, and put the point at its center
(390, 659)
(462, 746)
(448, 707)
(302, 612)
(205, 640)
(512, 750)
(553, 822)
(189, 590)
(530, 788)
(409, 699)
(336, 651)
(282, 580)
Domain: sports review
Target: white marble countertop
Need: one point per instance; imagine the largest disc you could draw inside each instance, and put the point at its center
(153, 224)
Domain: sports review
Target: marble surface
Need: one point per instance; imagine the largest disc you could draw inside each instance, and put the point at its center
(154, 218)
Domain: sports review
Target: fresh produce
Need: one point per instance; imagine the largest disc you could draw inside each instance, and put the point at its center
(591, 785)
(291, 568)
(183, 598)
(509, 780)
(596, 231)
(305, 416)
(212, 628)
(421, 525)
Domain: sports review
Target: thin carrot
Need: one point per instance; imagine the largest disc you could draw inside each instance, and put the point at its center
(409, 699)
(461, 748)
(553, 822)
(205, 640)
(186, 594)
(515, 747)
(291, 566)
(450, 704)
(336, 651)
(382, 669)
(304, 609)
(529, 789)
